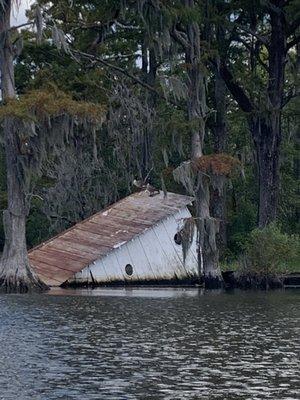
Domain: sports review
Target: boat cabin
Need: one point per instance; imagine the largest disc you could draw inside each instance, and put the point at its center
(133, 241)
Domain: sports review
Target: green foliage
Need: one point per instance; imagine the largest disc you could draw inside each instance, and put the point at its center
(74, 185)
(289, 200)
(39, 67)
(269, 251)
(241, 222)
(37, 226)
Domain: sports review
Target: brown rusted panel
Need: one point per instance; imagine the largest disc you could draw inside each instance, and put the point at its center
(61, 262)
(75, 243)
(60, 257)
(70, 248)
(107, 235)
(114, 224)
(103, 228)
(63, 254)
(90, 239)
(50, 272)
(49, 281)
(45, 276)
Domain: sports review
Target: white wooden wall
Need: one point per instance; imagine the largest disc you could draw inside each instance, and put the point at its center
(153, 255)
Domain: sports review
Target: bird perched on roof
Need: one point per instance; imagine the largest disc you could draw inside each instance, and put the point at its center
(142, 184)
(139, 183)
(152, 190)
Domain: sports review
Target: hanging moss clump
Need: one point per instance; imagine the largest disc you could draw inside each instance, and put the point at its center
(44, 122)
(185, 236)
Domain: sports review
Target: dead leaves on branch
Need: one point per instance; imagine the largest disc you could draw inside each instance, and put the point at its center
(216, 164)
(214, 169)
(40, 104)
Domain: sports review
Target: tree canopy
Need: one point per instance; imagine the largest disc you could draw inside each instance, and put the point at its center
(200, 95)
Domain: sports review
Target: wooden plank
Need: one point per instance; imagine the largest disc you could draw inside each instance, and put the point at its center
(58, 276)
(90, 238)
(108, 230)
(76, 243)
(62, 254)
(67, 265)
(107, 238)
(74, 251)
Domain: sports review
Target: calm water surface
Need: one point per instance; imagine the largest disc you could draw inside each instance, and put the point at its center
(150, 344)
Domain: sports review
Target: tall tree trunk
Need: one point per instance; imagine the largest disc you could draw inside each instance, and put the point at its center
(267, 137)
(265, 119)
(15, 272)
(207, 229)
(149, 68)
(266, 130)
(196, 107)
(219, 130)
(196, 101)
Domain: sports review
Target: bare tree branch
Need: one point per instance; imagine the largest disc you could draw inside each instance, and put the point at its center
(179, 37)
(236, 90)
(291, 95)
(21, 26)
(261, 62)
(293, 42)
(262, 39)
(124, 72)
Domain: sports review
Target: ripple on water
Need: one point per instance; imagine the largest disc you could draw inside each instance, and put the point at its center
(143, 344)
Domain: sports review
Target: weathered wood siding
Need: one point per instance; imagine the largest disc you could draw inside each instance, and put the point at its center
(68, 253)
(153, 255)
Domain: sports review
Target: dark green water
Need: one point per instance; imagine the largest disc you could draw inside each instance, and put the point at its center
(150, 344)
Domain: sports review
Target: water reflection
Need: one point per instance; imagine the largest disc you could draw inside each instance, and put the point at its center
(130, 291)
(149, 344)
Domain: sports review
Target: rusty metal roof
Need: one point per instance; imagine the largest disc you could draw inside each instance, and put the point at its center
(61, 257)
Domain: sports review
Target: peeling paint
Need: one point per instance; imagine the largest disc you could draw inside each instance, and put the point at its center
(107, 232)
(119, 245)
(153, 255)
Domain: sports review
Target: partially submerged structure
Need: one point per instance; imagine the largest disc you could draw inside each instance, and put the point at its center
(132, 241)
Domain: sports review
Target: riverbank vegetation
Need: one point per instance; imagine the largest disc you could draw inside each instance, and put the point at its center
(202, 96)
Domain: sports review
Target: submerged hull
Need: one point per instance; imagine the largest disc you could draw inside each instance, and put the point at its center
(150, 258)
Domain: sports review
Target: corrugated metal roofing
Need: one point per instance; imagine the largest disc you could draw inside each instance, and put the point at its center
(61, 257)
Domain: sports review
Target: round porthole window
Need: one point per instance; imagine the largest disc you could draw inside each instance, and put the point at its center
(177, 238)
(129, 269)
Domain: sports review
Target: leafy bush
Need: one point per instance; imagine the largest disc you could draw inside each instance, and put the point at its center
(269, 251)
(241, 223)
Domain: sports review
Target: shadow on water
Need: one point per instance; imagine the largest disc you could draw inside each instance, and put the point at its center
(149, 343)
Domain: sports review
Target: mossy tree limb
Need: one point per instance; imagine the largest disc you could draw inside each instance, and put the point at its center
(196, 181)
(15, 272)
(33, 126)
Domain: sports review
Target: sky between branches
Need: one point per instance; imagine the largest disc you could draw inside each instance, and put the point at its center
(18, 13)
